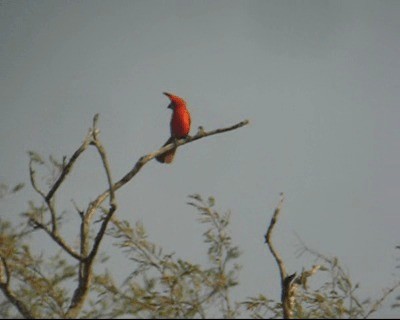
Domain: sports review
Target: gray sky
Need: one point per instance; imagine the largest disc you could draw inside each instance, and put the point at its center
(318, 80)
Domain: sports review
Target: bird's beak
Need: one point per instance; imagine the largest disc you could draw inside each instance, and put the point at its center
(170, 106)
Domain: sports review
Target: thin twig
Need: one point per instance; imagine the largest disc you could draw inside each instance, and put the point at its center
(376, 305)
(53, 233)
(333, 263)
(42, 194)
(68, 166)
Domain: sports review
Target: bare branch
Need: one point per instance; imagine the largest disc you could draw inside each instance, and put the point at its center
(33, 179)
(268, 240)
(60, 241)
(378, 303)
(146, 158)
(41, 193)
(86, 271)
(68, 166)
(113, 205)
(5, 288)
(53, 233)
(104, 159)
(287, 282)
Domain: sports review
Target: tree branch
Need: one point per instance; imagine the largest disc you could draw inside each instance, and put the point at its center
(58, 239)
(146, 158)
(377, 303)
(68, 166)
(341, 279)
(41, 193)
(53, 232)
(287, 282)
(86, 271)
(87, 256)
(5, 288)
(268, 241)
(113, 204)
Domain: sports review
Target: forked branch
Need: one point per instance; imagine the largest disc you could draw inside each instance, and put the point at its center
(146, 158)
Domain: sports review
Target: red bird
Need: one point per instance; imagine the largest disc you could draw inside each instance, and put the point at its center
(180, 125)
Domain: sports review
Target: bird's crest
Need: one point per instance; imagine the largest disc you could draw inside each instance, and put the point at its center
(175, 100)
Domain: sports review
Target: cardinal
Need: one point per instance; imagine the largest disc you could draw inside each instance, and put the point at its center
(179, 125)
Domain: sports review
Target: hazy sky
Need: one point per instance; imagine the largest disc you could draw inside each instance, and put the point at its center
(318, 80)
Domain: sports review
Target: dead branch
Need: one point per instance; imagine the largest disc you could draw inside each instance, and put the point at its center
(85, 267)
(287, 282)
(146, 158)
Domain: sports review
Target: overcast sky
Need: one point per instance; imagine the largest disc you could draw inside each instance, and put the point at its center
(318, 80)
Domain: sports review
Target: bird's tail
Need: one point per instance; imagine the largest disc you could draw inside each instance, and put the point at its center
(167, 156)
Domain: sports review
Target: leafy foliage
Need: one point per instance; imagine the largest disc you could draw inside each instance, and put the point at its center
(36, 283)
(161, 285)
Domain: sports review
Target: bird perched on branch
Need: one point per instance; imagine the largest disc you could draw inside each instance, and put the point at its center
(179, 125)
